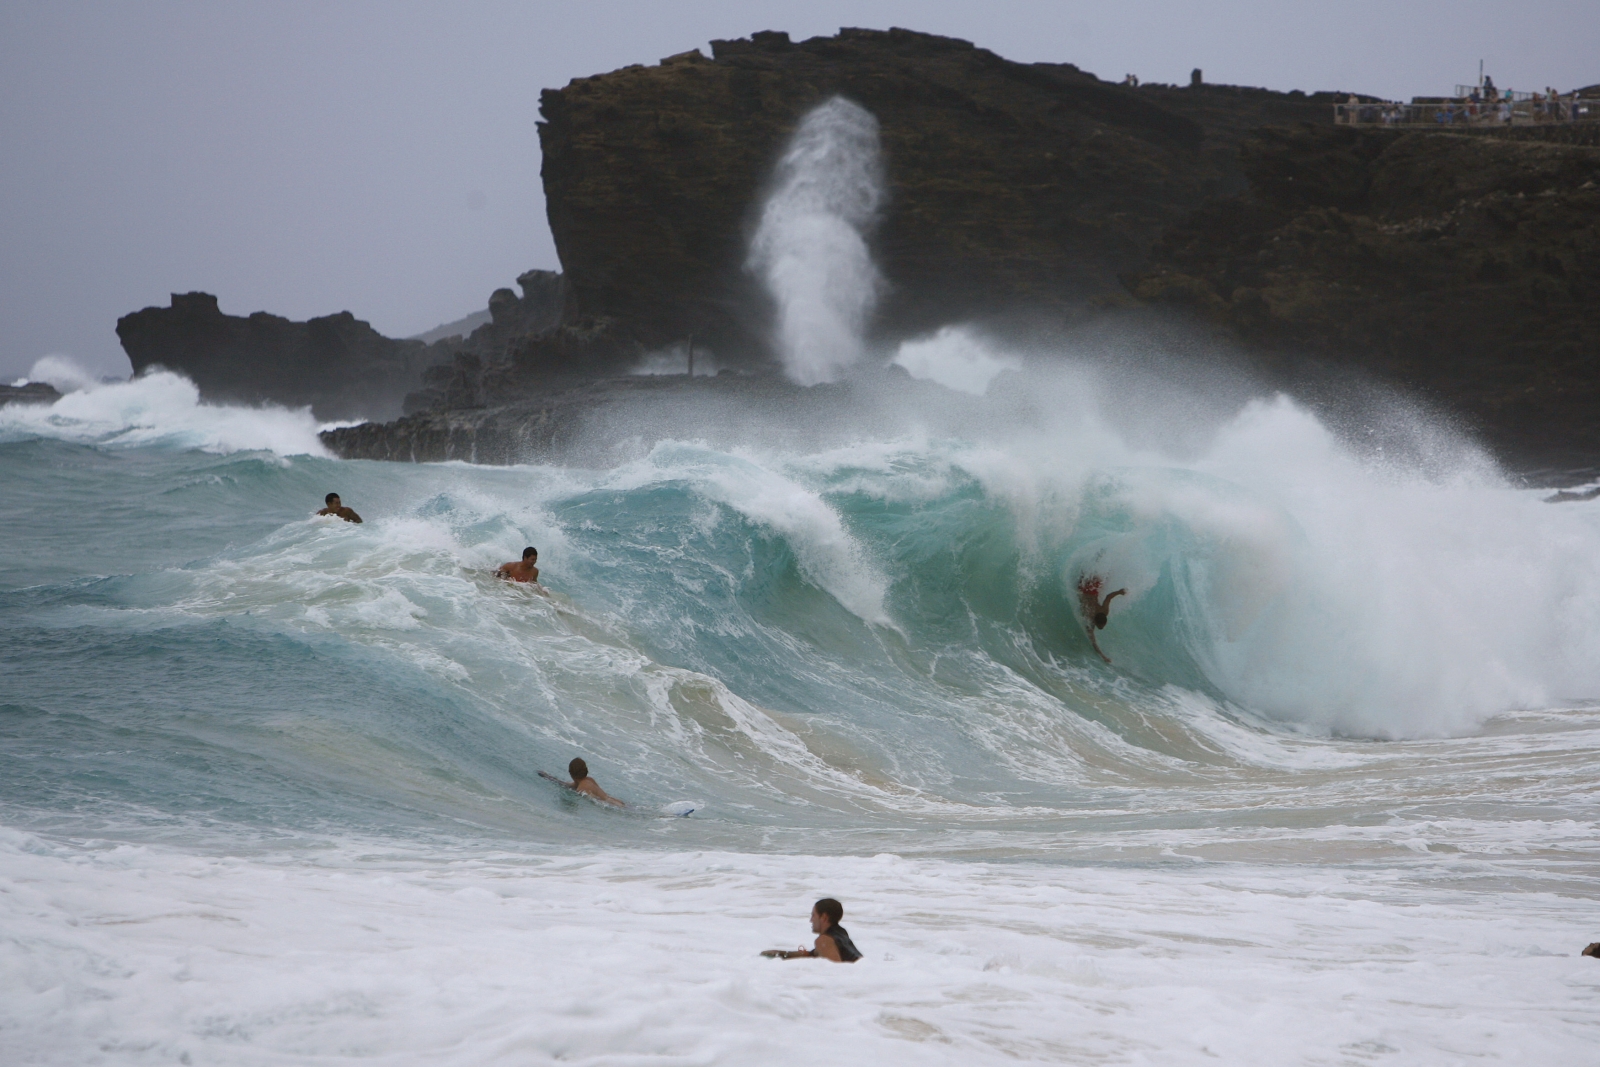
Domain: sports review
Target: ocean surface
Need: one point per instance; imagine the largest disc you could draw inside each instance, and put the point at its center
(269, 791)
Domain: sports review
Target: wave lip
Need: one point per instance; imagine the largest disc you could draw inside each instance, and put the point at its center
(161, 409)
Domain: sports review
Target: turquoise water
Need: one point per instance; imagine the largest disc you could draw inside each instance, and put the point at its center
(269, 791)
(871, 647)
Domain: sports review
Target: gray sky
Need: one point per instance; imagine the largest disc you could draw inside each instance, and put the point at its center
(381, 157)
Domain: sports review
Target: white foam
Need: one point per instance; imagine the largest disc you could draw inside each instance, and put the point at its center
(366, 952)
(161, 409)
(955, 358)
(62, 372)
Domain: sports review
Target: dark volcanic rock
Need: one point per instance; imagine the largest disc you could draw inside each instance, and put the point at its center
(602, 421)
(527, 343)
(1464, 267)
(337, 364)
(31, 393)
(1011, 185)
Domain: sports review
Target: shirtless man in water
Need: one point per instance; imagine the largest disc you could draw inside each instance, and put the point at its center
(521, 570)
(582, 783)
(336, 507)
(1095, 610)
(832, 943)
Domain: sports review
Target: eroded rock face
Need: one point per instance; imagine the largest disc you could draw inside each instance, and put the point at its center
(30, 393)
(1011, 186)
(1465, 267)
(339, 365)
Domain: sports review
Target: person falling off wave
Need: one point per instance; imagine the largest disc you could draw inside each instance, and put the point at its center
(833, 943)
(336, 507)
(1095, 611)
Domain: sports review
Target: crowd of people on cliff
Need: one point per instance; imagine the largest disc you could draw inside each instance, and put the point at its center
(1483, 105)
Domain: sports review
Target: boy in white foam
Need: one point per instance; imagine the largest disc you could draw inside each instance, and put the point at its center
(833, 942)
(336, 507)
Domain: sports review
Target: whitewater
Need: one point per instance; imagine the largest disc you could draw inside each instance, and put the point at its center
(269, 793)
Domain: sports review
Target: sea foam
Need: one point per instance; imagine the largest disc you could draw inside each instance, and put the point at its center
(161, 409)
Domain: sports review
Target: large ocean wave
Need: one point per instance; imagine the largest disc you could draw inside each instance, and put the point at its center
(879, 635)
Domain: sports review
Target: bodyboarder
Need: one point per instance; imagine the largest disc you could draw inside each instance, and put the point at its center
(832, 943)
(525, 569)
(582, 783)
(1095, 611)
(335, 506)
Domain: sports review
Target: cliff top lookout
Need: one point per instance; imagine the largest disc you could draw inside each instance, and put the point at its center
(1482, 106)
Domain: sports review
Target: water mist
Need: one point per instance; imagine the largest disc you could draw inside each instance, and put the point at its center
(810, 248)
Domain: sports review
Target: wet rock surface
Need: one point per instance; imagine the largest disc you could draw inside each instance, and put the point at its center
(29, 393)
(337, 364)
(601, 422)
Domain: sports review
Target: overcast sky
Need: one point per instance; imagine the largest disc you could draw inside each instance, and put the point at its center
(381, 157)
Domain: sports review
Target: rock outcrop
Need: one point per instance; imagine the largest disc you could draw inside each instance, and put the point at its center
(1463, 267)
(339, 365)
(29, 393)
(522, 345)
(601, 422)
(1011, 186)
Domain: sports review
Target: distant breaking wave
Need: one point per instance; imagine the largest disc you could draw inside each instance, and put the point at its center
(162, 409)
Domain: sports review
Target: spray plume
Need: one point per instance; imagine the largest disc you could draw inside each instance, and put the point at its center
(810, 248)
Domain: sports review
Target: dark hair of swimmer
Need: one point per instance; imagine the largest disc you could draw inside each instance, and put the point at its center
(530, 553)
(330, 498)
(578, 769)
(831, 908)
(1100, 619)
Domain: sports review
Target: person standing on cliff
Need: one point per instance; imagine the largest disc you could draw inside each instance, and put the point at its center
(334, 506)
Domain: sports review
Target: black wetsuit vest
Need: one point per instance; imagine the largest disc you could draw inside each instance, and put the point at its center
(847, 948)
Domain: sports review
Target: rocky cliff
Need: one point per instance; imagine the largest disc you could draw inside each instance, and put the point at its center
(1011, 186)
(604, 421)
(1463, 267)
(30, 393)
(339, 365)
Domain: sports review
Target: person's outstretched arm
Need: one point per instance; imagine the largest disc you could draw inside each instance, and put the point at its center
(827, 949)
(1109, 596)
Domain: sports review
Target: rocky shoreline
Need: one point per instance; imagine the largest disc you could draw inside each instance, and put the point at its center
(1028, 199)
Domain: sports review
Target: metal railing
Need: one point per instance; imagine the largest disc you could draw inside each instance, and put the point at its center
(1522, 109)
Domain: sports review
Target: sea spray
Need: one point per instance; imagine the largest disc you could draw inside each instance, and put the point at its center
(811, 249)
(158, 408)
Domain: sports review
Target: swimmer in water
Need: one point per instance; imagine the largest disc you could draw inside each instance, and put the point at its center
(336, 507)
(833, 943)
(1095, 611)
(582, 783)
(524, 570)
